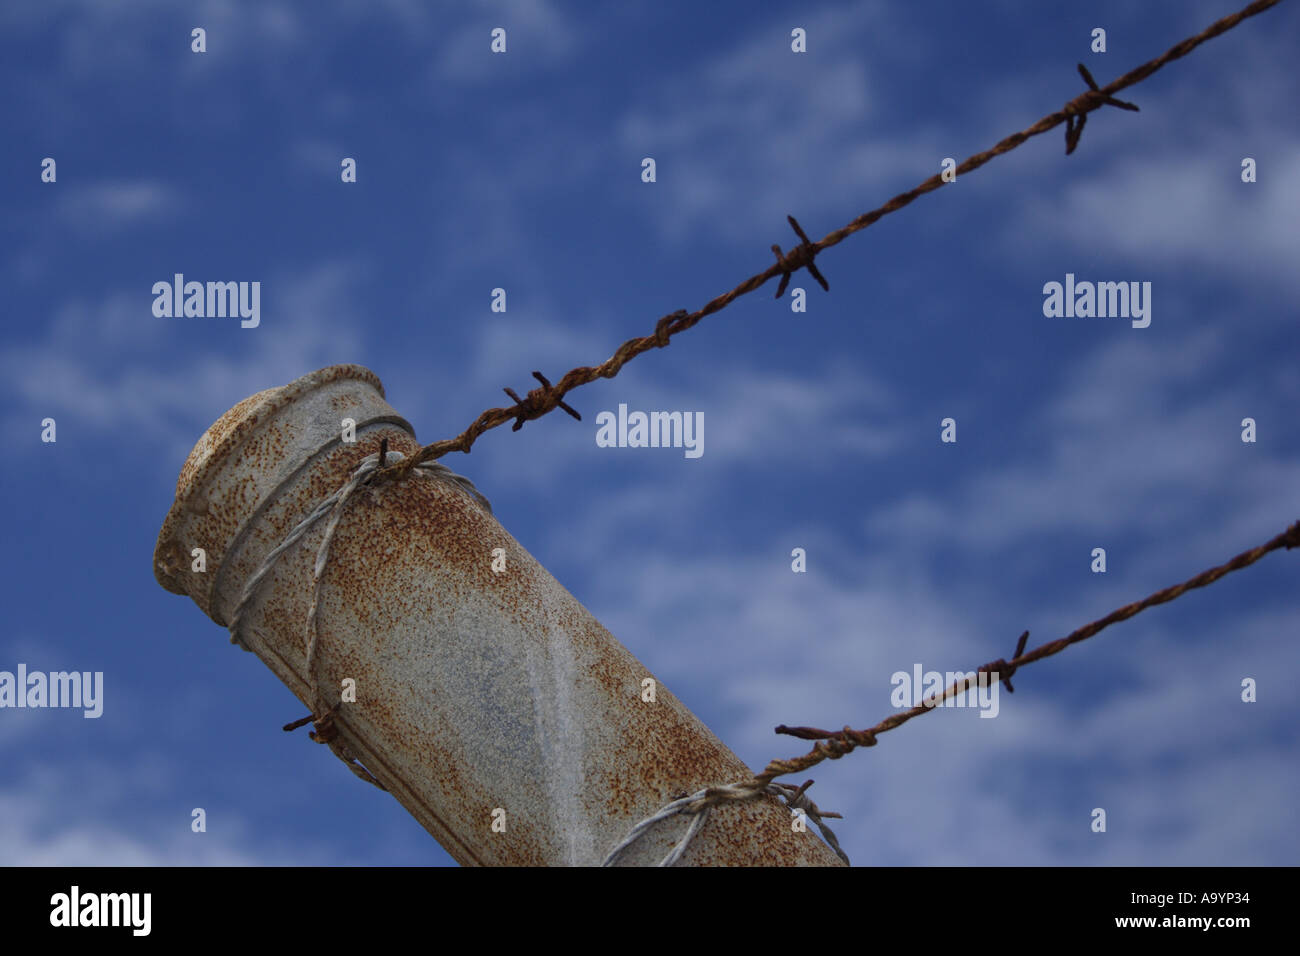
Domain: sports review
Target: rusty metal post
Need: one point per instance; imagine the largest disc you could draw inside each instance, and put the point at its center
(482, 696)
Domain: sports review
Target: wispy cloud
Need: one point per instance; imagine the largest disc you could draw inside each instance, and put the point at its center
(1183, 209)
(538, 34)
(772, 134)
(1178, 451)
(99, 364)
(1162, 188)
(106, 208)
(51, 817)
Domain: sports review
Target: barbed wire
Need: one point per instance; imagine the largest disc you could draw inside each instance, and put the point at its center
(834, 744)
(547, 397)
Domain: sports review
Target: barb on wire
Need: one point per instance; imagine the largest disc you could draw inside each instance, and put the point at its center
(1077, 109)
(800, 257)
(538, 403)
(1001, 669)
(541, 401)
(833, 744)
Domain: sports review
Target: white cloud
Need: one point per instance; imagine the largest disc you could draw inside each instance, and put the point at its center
(1183, 209)
(1135, 440)
(99, 209)
(752, 413)
(96, 39)
(102, 367)
(83, 816)
(509, 345)
(804, 135)
(1162, 188)
(536, 33)
(319, 159)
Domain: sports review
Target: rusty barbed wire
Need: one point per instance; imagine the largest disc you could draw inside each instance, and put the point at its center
(833, 744)
(547, 397)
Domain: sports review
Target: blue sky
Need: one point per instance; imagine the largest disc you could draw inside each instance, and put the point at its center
(822, 429)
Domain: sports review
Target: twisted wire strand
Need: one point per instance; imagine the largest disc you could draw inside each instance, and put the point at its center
(547, 397)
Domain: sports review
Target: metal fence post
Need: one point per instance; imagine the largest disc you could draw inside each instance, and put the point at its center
(467, 680)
